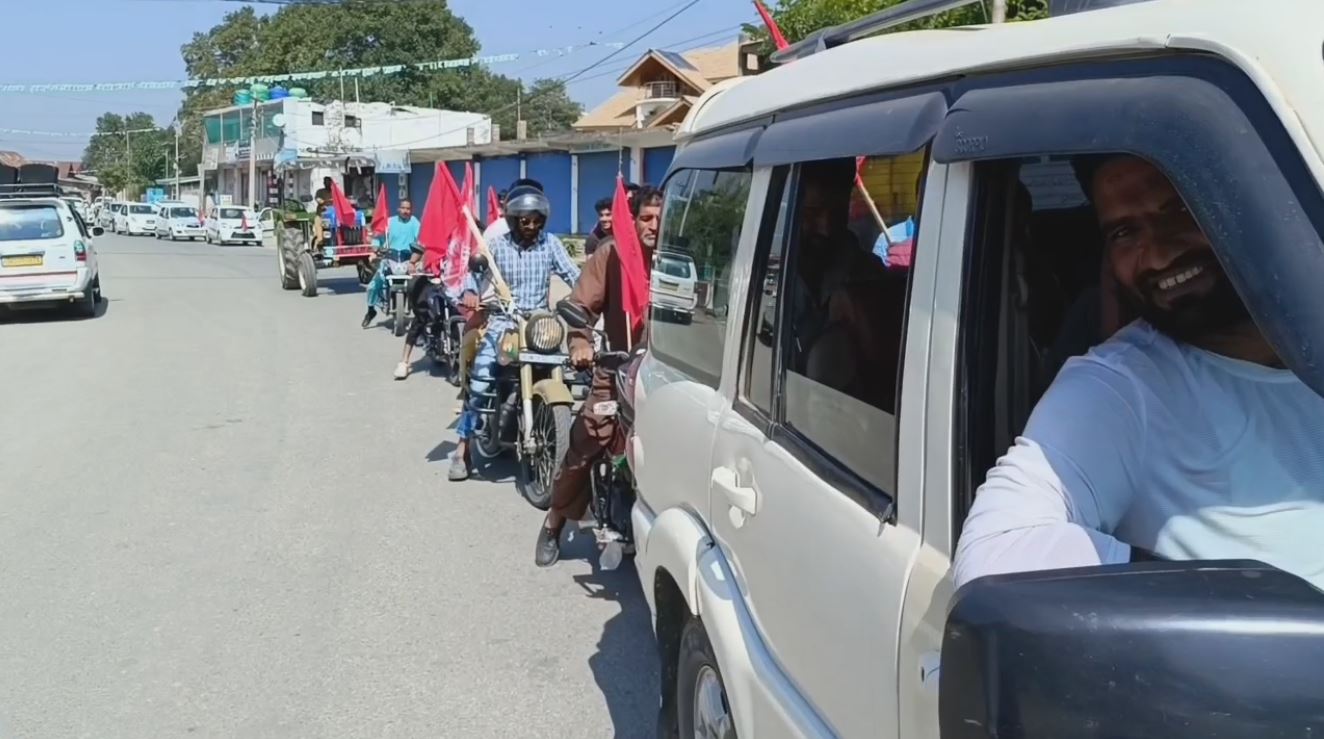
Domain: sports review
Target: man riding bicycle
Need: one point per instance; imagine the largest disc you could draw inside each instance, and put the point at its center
(599, 293)
(401, 237)
(525, 258)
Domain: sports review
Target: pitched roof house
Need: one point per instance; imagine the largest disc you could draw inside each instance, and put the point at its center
(658, 89)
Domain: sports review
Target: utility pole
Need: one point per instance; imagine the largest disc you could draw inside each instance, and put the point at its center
(999, 14)
(177, 127)
(252, 156)
(128, 157)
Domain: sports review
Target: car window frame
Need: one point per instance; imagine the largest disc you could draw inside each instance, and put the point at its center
(978, 292)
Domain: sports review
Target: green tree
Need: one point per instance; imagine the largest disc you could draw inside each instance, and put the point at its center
(307, 37)
(799, 18)
(129, 152)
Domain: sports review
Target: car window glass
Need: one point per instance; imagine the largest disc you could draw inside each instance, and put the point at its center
(762, 326)
(141, 209)
(702, 217)
(843, 324)
(30, 222)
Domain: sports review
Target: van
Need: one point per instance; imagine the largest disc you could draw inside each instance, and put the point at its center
(807, 447)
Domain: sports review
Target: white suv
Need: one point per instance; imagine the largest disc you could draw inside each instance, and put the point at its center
(807, 447)
(47, 258)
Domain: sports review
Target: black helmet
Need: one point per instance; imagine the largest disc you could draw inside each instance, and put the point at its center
(525, 202)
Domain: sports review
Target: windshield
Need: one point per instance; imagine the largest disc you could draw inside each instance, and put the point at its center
(235, 213)
(30, 222)
(140, 209)
(674, 267)
(183, 213)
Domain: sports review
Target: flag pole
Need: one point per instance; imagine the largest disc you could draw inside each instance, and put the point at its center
(503, 290)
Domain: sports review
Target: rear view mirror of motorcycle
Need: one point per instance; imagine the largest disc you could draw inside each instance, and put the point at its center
(574, 315)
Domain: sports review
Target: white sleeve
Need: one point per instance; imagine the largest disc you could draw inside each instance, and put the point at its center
(1053, 499)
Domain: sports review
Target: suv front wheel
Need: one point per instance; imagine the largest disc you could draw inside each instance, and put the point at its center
(701, 703)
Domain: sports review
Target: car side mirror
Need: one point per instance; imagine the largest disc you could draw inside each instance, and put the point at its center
(573, 314)
(1190, 649)
(98, 231)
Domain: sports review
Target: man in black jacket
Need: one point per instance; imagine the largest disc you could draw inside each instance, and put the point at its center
(602, 229)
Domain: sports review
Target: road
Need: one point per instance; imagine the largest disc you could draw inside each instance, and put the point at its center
(220, 517)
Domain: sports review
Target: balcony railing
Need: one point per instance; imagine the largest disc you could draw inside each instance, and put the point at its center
(660, 91)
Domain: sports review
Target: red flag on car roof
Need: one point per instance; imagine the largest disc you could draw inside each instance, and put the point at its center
(243, 219)
(493, 205)
(437, 224)
(773, 30)
(381, 213)
(345, 213)
(634, 273)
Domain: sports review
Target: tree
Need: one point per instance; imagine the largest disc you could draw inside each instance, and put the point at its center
(129, 152)
(799, 18)
(307, 37)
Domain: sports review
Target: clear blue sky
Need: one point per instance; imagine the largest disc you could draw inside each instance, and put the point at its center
(129, 40)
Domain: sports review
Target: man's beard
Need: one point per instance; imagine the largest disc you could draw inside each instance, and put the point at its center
(1191, 318)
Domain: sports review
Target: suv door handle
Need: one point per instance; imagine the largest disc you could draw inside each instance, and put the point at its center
(739, 496)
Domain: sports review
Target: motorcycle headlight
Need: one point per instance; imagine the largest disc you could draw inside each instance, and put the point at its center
(508, 350)
(543, 333)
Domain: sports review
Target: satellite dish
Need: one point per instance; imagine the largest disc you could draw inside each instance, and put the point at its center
(278, 120)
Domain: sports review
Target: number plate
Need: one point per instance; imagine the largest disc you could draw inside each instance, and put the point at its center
(22, 260)
(533, 358)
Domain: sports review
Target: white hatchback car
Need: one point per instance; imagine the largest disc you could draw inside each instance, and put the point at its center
(806, 450)
(135, 219)
(673, 286)
(228, 224)
(47, 257)
(177, 222)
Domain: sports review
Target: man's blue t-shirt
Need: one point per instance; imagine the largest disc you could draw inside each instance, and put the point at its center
(401, 235)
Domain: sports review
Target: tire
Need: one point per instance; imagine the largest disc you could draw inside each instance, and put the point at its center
(488, 443)
(287, 259)
(307, 275)
(537, 473)
(701, 704)
(399, 321)
(87, 307)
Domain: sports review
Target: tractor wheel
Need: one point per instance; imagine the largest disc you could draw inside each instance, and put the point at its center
(307, 275)
(287, 263)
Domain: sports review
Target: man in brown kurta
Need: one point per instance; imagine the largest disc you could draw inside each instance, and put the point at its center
(598, 290)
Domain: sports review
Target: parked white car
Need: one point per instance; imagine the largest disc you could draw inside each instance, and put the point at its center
(228, 224)
(808, 447)
(673, 286)
(106, 218)
(135, 219)
(47, 256)
(177, 222)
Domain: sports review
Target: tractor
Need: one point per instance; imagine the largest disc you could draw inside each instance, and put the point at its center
(299, 255)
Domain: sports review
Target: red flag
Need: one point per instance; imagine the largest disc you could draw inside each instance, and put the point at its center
(345, 213)
(773, 30)
(460, 242)
(381, 214)
(634, 273)
(467, 190)
(436, 225)
(493, 205)
(243, 219)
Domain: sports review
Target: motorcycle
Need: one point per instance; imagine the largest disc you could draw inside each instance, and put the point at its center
(443, 335)
(528, 407)
(396, 306)
(611, 477)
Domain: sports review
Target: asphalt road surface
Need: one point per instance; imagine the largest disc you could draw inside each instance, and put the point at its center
(220, 517)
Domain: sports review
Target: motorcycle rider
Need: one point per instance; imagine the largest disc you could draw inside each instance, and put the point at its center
(525, 258)
(401, 237)
(599, 293)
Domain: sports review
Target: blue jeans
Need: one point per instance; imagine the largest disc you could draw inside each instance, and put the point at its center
(481, 376)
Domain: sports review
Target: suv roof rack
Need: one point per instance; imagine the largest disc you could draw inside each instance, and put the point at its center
(908, 12)
(30, 190)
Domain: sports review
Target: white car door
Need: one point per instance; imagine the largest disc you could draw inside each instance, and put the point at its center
(815, 466)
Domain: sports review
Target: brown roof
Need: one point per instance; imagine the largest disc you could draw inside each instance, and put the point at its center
(12, 159)
(674, 113)
(698, 69)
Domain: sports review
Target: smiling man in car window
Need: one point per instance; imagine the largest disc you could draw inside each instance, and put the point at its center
(1181, 437)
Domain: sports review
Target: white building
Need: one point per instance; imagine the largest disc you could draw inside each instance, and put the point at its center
(299, 142)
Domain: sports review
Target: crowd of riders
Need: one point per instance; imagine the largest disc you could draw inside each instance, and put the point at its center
(525, 256)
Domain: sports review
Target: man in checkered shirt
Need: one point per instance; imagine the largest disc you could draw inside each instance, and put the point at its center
(525, 258)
